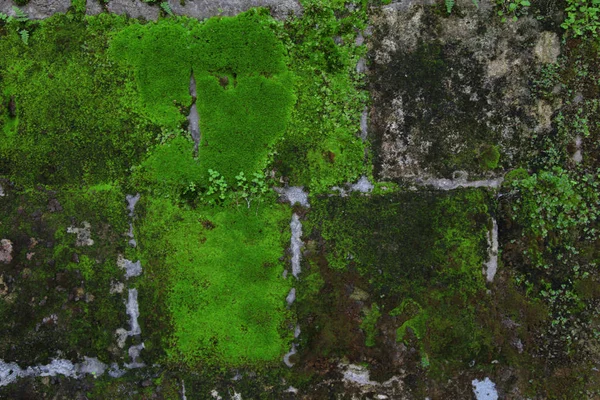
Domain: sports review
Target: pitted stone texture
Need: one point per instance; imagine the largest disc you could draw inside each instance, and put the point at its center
(37, 9)
(200, 9)
(446, 88)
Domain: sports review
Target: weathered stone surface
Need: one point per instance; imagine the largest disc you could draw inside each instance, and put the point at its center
(445, 88)
(6, 251)
(134, 9)
(204, 9)
(200, 9)
(37, 9)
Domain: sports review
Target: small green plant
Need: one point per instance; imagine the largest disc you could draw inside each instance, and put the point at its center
(20, 15)
(512, 8)
(218, 186)
(167, 8)
(250, 190)
(583, 17)
(79, 6)
(24, 36)
(449, 5)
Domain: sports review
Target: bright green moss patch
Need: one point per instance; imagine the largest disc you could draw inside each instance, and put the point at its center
(241, 122)
(244, 92)
(227, 293)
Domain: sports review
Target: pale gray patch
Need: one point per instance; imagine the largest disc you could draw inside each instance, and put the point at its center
(292, 389)
(133, 9)
(115, 371)
(193, 89)
(131, 202)
(131, 268)
(296, 244)
(84, 235)
(37, 9)
(133, 311)
(484, 390)
(293, 195)
(6, 251)
(492, 263)
(291, 297)
(122, 335)
(450, 184)
(92, 366)
(578, 156)
(53, 318)
(364, 124)
(361, 66)
(286, 358)
(202, 9)
(130, 233)
(360, 39)
(93, 7)
(363, 185)
(547, 47)
(2, 194)
(183, 390)
(9, 372)
(358, 374)
(297, 331)
(132, 243)
(134, 354)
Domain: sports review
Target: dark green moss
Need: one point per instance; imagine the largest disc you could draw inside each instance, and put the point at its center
(426, 247)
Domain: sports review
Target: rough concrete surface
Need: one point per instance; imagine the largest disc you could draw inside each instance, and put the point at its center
(445, 88)
(37, 9)
(200, 9)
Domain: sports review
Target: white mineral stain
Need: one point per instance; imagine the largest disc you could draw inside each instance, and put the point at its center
(133, 311)
(293, 195)
(484, 390)
(10, 372)
(296, 244)
(492, 264)
(286, 358)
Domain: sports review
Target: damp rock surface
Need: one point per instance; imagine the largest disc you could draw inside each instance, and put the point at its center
(452, 92)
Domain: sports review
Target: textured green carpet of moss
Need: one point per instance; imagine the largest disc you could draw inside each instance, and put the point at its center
(227, 292)
(243, 87)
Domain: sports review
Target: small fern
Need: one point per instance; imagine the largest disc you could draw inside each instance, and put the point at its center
(20, 14)
(24, 36)
(167, 8)
(449, 5)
